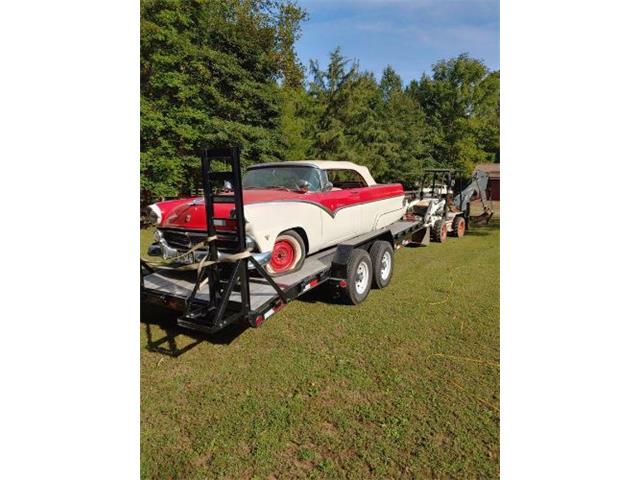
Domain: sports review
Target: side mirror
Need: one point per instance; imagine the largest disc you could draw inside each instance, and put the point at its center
(227, 185)
(303, 185)
(328, 186)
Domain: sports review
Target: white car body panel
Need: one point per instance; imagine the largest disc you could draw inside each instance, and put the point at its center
(321, 228)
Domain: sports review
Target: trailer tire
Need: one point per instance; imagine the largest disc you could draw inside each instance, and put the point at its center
(381, 254)
(459, 226)
(439, 231)
(359, 277)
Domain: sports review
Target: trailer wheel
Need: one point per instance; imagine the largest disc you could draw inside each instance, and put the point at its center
(382, 258)
(288, 254)
(439, 231)
(359, 276)
(459, 226)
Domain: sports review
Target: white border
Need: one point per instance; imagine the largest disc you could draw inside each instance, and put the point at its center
(569, 240)
(69, 150)
(69, 111)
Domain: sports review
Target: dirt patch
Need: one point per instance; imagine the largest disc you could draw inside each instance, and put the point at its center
(476, 207)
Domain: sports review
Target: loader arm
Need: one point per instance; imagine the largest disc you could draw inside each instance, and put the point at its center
(478, 184)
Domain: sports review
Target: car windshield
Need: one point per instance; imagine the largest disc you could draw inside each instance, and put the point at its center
(291, 178)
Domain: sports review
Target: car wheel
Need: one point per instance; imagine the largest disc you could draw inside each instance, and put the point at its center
(359, 276)
(287, 255)
(382, 259)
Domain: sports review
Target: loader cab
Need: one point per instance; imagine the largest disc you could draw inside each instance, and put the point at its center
(440, 183)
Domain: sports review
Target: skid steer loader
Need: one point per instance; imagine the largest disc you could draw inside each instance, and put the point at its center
(445, 212)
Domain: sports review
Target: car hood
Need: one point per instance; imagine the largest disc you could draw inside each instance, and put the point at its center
(190, 213)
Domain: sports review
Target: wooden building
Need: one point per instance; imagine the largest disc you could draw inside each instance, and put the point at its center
(493, 170)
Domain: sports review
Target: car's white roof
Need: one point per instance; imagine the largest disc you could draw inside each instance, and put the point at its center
(326, 165)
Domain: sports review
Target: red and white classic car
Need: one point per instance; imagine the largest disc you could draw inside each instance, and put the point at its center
(292, 209)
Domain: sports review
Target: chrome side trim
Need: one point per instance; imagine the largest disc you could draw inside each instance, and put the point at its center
(325, 209)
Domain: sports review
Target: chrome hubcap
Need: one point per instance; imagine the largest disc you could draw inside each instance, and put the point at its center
(386, 266)
(362, 278)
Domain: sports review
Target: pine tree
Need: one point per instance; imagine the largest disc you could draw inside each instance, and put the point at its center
(409, 138)
(347, 110)
(294, 123)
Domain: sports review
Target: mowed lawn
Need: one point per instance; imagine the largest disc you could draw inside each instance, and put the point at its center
(405, 385)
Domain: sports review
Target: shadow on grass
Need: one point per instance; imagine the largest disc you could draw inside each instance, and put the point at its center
(483, 230)
(322, 293)
(167, 343)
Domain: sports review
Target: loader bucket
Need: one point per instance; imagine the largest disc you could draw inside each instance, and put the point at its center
(482, 219)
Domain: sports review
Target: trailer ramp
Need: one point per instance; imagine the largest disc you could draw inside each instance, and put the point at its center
(261, 293)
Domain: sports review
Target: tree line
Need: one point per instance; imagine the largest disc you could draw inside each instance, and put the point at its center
(225, 72)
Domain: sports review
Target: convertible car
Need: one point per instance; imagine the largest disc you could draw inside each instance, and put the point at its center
(292, 209)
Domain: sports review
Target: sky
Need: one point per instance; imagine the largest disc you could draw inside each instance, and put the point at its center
(409, 35)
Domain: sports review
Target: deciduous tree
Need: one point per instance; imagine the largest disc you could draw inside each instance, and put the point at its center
(209, 75)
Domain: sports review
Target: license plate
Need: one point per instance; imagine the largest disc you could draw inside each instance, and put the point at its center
(184, 259)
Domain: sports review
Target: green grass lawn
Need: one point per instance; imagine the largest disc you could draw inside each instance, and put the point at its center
(404, 385)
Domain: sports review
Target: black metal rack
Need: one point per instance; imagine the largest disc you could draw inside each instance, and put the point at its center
(220, 310)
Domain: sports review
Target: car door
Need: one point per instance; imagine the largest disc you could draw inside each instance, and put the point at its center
(344, 202)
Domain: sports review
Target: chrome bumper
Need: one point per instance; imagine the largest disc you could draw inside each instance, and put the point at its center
(162, 249)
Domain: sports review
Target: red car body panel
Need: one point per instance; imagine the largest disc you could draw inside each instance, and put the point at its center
(190, 214)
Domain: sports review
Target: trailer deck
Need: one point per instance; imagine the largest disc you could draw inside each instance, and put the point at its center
(181, 284)
(172, 289)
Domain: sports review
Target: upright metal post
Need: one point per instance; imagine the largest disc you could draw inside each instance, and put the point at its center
(446, 178)
(239, 203)
(211, 229)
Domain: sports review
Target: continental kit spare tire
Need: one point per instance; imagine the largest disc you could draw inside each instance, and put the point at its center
(287, 255)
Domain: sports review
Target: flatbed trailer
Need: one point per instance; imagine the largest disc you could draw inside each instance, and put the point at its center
(173, 289)
(214, 297)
